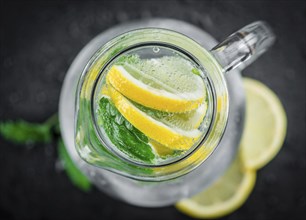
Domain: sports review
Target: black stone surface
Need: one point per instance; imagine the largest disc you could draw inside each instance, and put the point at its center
(40, 39)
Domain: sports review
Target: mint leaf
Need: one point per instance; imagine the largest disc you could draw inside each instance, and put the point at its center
(22, 132)
(122, 134)
(53, 123)
(130, 59)
(75, 175)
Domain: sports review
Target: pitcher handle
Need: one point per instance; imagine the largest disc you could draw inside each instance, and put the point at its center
(244, 46)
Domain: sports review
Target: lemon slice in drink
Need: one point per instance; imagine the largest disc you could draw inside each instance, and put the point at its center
(173, 138)
(265, 126)
(224, 196)
(186, 120)
(166, 84)
(160, 149)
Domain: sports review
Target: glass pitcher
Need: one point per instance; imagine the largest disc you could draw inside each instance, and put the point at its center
(162, 183)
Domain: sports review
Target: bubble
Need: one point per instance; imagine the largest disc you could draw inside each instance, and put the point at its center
(156, 49)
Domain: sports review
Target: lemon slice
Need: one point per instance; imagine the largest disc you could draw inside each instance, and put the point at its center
(265, 126)
(160, 149)
(159, 84)
(173, 138)
(226, 195)
(186, 120)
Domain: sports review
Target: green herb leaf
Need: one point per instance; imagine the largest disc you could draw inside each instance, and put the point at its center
(53, 122)
(22, 132)
(131, 59)
(121, 133)
(75, 175)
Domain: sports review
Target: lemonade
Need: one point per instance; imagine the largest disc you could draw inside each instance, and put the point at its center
(150, 111)
(152, 105)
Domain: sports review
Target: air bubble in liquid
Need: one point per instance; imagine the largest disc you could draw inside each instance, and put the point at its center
(156, 49)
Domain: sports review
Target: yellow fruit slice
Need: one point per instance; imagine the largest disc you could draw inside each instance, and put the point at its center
(226, 195)
(160, 149)
(161, 97)
(104, 90)
(186, 121)
(265, 126)
(173, 138)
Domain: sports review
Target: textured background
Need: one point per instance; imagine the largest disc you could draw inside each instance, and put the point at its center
(39, 41)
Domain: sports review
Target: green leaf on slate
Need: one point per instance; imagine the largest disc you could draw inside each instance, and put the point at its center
(22, 132)
(75, 175)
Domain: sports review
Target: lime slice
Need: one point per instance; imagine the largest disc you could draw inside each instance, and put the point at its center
(265, 126)
(166, 84)
(226, 195)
